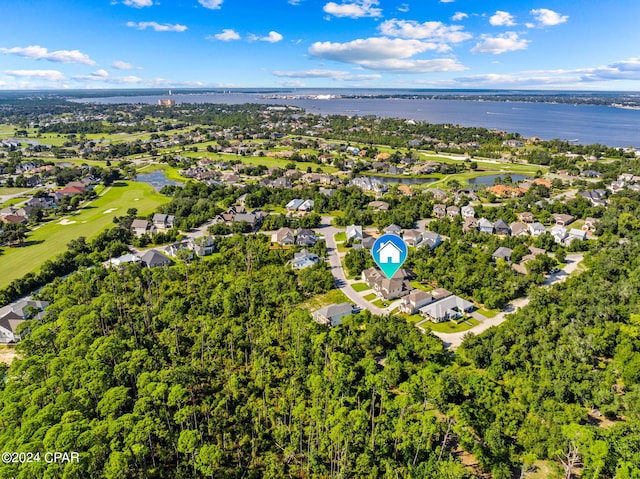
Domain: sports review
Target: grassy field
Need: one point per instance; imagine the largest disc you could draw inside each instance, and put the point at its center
(11, 191)
(51, 238)
(334, 296)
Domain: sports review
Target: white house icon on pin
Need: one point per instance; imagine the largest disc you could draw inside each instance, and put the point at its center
(389, 253)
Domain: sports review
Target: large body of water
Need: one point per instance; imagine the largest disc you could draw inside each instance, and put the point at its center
(584, 124)
(485, 180)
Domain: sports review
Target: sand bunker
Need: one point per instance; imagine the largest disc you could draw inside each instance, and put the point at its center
(110, 210)
(65, 222)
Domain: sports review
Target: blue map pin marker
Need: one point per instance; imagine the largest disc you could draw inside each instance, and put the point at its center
(389, 252)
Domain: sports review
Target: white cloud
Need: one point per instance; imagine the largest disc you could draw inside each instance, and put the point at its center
(369, 49)
(211, 4)
(447, 1)
(354, 9)
(138, 3)
(434, 31)
(404, 8)
(294, 2)
(48, 75)
(120, 65)
(548, 18)
(459, 16)
(227, 35)
(40, 53)
(273, 37)
(339, 75)
(506, 42)
(165, 27)
(502, 19)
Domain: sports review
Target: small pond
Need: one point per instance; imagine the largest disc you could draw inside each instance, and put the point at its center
(157, 179)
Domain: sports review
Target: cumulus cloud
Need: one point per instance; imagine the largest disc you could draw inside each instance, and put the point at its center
(120, 65)
(138, 3)
(48, 75)
(547, 18)
(506, 42)
(158, 27)
(369, 49)
(385, 54)
(459, 16)
(211, 4)
(227, 35)
(103, 76)
(502, 19)
(404, 8)
(273, 37)
(339, 75)
(434, 31)
(354, 9)
(37, 52)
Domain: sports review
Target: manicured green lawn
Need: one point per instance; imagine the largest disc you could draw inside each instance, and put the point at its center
(11, 191)
(380, 303)
(51, 238)
(342, 236)
(370, 296)
(414, 318)
(342, 248)
(360, 287)
(450, 326)
(488, 313)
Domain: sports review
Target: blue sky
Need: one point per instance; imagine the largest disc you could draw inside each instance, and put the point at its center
(561, 44)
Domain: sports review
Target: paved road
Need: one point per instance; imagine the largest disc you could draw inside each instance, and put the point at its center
(328, 231)
(453, 340)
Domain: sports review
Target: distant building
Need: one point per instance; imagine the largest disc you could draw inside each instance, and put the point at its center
(166, 102)
(332, 315)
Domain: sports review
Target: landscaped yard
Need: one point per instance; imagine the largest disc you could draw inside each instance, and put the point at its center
(4, 190)
(370, 296)
(380, 303)
(342, 236)
(50, 239)
(451, 326)
(419, 285)
(488, 313)
(360, 287)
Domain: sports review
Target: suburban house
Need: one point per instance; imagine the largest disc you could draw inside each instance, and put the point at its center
(354, 233)
(430, 239)
(153, 259)
(12, 315)
(502, 228)
(519, 229)
(286, 236)
(306, 237)
(446, 309)
(293, 205)
(502, 253)
(559, 233)
(590, 224)
(379, 205)
(575, 234)
(393, 229)
(391, 288)
(304, 259)
(332, 315)
(415, 300)
(485, 226)
(162, 221)
(141, 227)
(467, 212)
(412, 237)
(537, 229)
(124, 259)
(306, 206)
(469, 224)
(252, 219)
(175, 248)
(453, 211)
(439, 210)
(202, 245)
(562, 219)
(370, 276)
(596, 197)
(526, 217)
